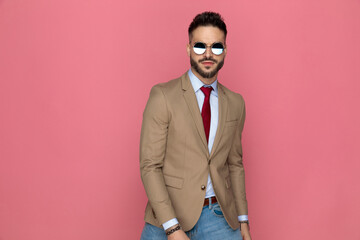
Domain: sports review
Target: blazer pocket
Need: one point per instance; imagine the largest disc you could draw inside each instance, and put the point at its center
(174, 182)
(231, 123)
(227, 182)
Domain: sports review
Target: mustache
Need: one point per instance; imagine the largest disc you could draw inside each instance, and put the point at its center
(208, 59)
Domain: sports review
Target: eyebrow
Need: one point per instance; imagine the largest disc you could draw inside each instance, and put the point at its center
(209, 45)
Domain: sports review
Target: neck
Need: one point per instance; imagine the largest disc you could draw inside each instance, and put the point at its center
(206, 81)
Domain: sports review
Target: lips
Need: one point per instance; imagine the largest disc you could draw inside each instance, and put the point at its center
(208, 63)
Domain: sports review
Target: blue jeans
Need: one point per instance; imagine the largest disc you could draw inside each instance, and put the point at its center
(210, 226)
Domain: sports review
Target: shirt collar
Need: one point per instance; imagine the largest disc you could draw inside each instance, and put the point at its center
(197, 83)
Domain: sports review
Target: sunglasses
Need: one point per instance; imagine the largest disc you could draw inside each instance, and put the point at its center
(216, 48)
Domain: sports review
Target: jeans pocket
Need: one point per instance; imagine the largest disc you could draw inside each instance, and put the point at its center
(216, 210)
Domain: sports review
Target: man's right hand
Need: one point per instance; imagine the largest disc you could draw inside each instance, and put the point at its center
(178, 235)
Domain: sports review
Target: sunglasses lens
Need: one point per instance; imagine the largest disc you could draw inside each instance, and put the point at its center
(199, 48)
(217, 48)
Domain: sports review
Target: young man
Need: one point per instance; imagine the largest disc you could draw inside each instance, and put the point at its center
(190, 148)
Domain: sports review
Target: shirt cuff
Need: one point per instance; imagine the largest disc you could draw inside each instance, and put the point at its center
(243, 218)
(170, 223)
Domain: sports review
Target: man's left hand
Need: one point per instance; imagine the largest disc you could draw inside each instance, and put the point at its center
(245, 233)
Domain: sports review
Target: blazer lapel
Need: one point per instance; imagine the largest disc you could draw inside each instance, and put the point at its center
(191, 101)
(223, 108)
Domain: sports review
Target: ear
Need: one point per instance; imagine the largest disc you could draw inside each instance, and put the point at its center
(188, 49)
(225, 50)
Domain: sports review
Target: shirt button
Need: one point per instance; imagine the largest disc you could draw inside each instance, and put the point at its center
(203, 187)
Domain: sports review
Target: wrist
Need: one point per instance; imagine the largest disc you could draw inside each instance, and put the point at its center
(244, 224)
(173, 229)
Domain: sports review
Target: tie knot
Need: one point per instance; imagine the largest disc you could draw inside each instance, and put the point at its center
(206, 90)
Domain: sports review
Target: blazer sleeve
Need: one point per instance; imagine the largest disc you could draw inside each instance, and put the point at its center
(153, 140)
(236, 168)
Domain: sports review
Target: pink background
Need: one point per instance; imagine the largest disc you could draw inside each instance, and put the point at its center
(74, 79)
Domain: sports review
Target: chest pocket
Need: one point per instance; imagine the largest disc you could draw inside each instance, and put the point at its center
(231, 123)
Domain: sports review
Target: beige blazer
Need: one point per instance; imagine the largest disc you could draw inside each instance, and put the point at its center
(174, 157)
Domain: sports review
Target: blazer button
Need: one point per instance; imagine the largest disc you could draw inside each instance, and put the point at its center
(203, 187)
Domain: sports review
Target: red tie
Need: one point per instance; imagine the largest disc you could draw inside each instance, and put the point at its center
(205, 112)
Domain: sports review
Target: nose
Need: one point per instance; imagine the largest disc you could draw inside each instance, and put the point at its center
(208, 52)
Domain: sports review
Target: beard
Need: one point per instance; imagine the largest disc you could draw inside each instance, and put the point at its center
(211, 74)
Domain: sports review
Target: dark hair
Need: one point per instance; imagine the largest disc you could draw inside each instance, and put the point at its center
(207, 19)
